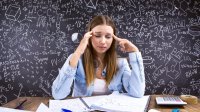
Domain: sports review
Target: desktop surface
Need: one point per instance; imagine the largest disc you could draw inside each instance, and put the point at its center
(169, 108)
(32, 103)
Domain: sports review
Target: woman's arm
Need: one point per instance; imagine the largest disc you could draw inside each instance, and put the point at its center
(62, 84)
(134, 81)
(80, 49)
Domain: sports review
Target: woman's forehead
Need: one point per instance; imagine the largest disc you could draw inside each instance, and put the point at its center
(103, 29)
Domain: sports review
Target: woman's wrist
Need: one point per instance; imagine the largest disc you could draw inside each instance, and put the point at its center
(134, 49)
(78, 52)
(74, 59)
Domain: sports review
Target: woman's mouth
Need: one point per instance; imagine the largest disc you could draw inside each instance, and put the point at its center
(102, 47)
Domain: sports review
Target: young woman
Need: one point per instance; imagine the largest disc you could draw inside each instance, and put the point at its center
(94, 69)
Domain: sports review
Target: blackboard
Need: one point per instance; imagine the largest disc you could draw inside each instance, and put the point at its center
(36, 37)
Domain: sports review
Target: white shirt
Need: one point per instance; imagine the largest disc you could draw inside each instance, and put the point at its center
(100, 87)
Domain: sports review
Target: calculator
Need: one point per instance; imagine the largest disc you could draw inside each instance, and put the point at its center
(169, 100)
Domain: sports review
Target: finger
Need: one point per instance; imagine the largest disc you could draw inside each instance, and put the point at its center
(91, 32)
(122, 44)
(88, 34)
(116, 38)
(122, 49)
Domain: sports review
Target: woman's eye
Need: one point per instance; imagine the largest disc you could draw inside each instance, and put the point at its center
(97, 36)
(108, 37)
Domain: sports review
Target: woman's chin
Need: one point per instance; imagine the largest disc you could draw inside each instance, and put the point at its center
(102, 51)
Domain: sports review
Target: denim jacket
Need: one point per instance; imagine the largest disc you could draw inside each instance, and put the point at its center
(127, 80)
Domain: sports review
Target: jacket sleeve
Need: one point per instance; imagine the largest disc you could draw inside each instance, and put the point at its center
(62, 84)
(134, 79)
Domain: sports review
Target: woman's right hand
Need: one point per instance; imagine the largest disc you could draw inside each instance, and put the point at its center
(84, 42)
(80, 49)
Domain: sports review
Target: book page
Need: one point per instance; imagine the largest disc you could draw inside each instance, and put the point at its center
(121, 102)
(74, 105)
(92, 99)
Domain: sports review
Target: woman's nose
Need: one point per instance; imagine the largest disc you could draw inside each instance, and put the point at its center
(103, 40)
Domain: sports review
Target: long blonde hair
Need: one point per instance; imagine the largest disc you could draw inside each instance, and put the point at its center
(110, 57)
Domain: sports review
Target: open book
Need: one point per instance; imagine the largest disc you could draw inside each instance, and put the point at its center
(110, 103)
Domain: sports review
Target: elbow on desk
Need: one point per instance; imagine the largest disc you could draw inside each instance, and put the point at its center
(58, 95)
(137, 92)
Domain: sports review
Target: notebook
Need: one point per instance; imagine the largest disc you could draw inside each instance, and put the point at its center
(119, 103)
(111, 103)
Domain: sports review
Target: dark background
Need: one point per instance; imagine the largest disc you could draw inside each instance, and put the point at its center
(36, 37)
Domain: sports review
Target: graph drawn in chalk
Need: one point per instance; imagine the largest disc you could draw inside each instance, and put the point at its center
(13, 12)
(91, 3)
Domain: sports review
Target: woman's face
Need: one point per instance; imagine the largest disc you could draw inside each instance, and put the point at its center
(102, 38)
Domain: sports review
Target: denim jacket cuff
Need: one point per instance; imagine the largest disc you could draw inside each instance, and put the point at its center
(135, 56)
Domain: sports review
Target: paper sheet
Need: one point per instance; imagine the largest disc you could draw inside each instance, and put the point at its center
(43, 108)
(4, 109)
(74, 105)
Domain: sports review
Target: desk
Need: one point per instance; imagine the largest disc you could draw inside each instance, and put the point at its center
(186, 108)
(32, 104)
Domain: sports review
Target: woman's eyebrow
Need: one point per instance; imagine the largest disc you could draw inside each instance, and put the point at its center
(108, 34)
(98, 32)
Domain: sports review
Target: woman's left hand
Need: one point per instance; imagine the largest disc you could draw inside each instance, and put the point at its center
(126, 45)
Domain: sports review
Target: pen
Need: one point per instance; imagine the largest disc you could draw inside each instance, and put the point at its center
(175, 110)
(20, 105)
(66, 110)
